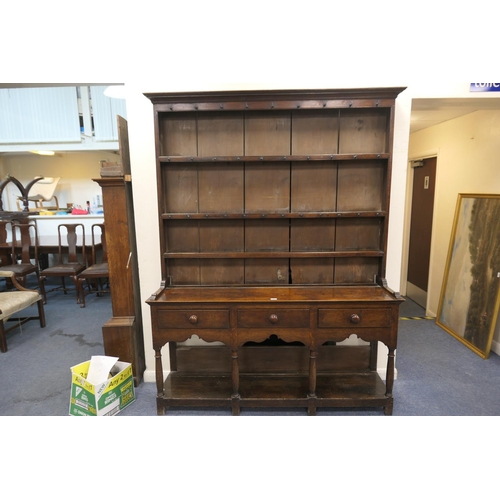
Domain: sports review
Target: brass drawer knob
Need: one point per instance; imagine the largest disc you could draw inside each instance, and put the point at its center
(273, 318)
(193, 319)
(355, 318)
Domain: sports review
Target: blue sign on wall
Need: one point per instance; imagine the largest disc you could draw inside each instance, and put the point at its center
(485, 87)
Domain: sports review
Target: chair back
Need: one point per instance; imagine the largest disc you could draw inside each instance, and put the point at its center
(25, 237)
(69, 234)
(99, 229)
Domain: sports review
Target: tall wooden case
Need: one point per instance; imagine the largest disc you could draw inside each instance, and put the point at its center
(122, 333)
(273, 217)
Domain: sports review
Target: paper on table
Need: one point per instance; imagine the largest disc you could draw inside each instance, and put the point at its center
(99, 368)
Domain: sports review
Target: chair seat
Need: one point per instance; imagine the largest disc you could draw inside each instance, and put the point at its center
(12, 302)
(63, 269)
(21, 269)
(95, 271)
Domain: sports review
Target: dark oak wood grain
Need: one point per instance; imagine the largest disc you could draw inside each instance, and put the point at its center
(273, 217)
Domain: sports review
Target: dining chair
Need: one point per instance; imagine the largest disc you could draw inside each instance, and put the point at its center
(15, 301)
(71, 256)
(24, 255)
(98, 270)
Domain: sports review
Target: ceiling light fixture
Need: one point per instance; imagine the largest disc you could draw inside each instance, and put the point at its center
(115, 91)
(43, 153)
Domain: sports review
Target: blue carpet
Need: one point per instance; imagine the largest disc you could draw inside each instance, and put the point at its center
(436, 374)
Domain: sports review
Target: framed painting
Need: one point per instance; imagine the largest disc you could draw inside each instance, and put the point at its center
(470, 299)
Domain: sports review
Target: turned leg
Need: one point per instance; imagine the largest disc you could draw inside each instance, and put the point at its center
(389, 381)
(235, 378)
(160, 390)
(311, 408)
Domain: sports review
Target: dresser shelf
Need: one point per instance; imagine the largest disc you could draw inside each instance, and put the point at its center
(209, 161)
(273, 220)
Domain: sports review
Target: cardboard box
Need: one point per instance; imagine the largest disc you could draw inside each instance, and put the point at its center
(101, 386)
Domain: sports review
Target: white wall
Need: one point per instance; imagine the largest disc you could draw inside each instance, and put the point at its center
(467, 150)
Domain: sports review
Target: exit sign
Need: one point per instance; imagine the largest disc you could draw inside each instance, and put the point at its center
(485, 87)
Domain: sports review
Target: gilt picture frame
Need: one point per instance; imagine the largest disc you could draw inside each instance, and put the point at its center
(470, 298)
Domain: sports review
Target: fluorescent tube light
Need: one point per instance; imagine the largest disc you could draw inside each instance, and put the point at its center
(44, 153)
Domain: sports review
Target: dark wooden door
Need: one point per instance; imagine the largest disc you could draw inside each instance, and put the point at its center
(422, 209)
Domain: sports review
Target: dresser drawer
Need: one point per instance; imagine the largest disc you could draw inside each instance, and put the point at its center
(194, 318)
(354, 318)
(273, 318)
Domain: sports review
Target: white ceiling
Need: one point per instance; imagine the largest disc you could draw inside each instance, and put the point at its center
(428, 112)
